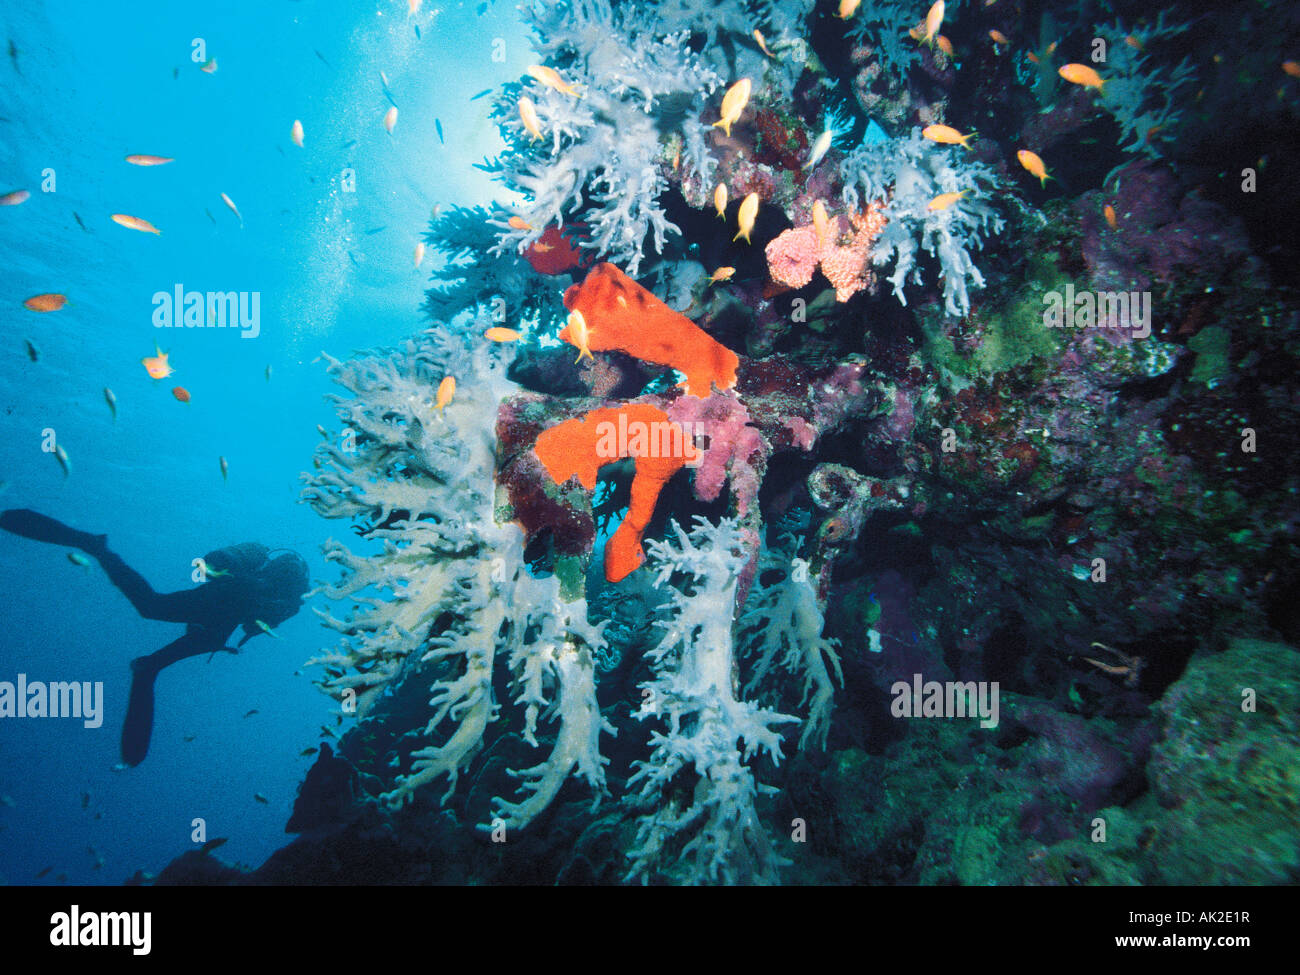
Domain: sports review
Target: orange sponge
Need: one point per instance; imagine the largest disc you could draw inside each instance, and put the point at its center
(580, 447)
(620, 314)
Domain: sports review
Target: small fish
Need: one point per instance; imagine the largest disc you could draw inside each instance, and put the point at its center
(820, 148)
(1111, 221)
(353, 258)
(61, 456)
(265, 628)
(209, 66)
(47, 870)
(225, 469)
(76, 558)
(80, 223)
(156, 364)
(327, 730)
(821, 222)
(528, 116)
(745, 217)
(1081, 74)
(1292, 68)
(111, 400)
(181, 393)
(47, 302)
(419, 253)
(14, 198)
(437, 124)
(211, 845)
(307, 751)
(390, 119)
(268, 372)
(446, 390)
(1031, 57)
(947, 135)
(999, 37)
(1051, 49)
(325, 434)
(135, 223)
(944, 200)
(721, 274)
(233, 209)
(551, 79)
(376, 230)
(933, 21)
(1133, 41)
(32, 351)
(435, 211)
(720, 200)
(214, 573)
(210, 216)
(261, 798)
(848, 8)
(295, 133)
(482, 94)
(733, 103)
(1034, 165)
(762, 43)
(145, 160)
(13, 55)
(322, 59)
(580, 335)
(251, 713)
(85, 803)
(519, 223)
(418, 35)
(413, 7)
(189, 738)
(499, 334)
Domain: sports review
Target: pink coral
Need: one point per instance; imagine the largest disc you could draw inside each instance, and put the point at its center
(843, 255)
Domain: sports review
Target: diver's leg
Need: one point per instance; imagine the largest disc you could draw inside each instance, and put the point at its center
(43, 528)
(138, 727)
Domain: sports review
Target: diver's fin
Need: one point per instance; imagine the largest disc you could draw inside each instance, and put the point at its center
(138, 728)
(43, 528)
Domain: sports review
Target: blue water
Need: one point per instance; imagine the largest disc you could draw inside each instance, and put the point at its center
(91, 84)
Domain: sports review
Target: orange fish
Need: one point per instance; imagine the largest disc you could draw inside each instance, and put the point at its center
(1032, 57)
(1081, 74)
(1292, 68)
(45, 302)
(1032, 162)
(947, 135)
(135, 223)
(733, 104)
(181, 393)
(999, 37)
(295, 133)
(499, 334)
(721, 274)
(519, 223)
(944, 200)
(945, 45)
(446, 390)
(145, 160)
(528, 116)
(156, 364)
(14, 198)
(390, 119)
(720, 200)
(1110, 217)
(579, 335)
(933, 21)
(1133, 42)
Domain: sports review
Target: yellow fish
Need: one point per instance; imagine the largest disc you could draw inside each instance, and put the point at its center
(295, 133)
(580, 335)
(944, 200)
(733, 103)
(156, 364)
(745, 218)
(519, 223)
(135, 223)
(499, 334)
(1034, 165)
(721, 274)
(947, 135)
(390, 119)
(551, 79)
(141, 160)
(933, 21)
(446, 390)
(848, 8)
(820, 221)
(762, 43)
(528, 115)
(720, 200)
(1081, 74)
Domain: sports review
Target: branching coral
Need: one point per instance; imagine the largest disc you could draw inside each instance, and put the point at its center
(447, 592)
(1141, 98)
(712, 833)
(910, 172)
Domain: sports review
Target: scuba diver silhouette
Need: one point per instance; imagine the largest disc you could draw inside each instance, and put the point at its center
(244, 587)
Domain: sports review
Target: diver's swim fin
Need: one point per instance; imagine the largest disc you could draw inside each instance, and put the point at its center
(138, 728)
(42, 528)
